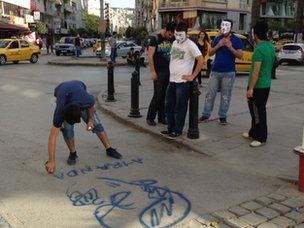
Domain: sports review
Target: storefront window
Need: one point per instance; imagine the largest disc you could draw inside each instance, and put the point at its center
(278, 8)
(210, 20)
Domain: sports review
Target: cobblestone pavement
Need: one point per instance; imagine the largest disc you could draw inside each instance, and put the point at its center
(284, 208)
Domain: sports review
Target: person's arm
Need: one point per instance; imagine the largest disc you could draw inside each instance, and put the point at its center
(151, 52)
(238, 50)
(198, 68)
(50, 165)
(254, 79)
(90, 123)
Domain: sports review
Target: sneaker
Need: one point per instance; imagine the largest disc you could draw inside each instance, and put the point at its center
(223, 121)
(173, 135)
(256, 143)
(113, 153)
(151, 122)
(245, 135)
(165, 133)
(203, 118)
(72, 159)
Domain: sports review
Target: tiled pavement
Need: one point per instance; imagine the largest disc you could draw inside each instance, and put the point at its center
(3, 223)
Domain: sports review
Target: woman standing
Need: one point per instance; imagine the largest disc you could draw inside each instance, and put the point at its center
(203, 45)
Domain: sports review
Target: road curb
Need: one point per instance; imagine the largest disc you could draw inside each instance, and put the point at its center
(103, 64)
(129, 123)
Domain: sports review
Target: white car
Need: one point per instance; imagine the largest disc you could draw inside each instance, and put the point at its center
(123, 47)
(292, 52)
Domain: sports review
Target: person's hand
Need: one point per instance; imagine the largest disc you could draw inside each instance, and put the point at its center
(249, 93)
(90, 126)
(153, 76)
(228, 44)
(50, 167)
(188, 78)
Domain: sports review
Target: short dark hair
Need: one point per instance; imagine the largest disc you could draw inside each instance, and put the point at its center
(72, 113)
(171, 26)
(260, 29)
(182, 27)
(229, 20)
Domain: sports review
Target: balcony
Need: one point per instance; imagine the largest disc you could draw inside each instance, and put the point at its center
(174, 3)
(218, 4)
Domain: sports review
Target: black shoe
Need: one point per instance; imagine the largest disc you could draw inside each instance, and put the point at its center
(151, 122)
(223, 121)
(164, 122)
(113, 153)
(72, 159)
(173, 135)
(203, 118)
(165, 133)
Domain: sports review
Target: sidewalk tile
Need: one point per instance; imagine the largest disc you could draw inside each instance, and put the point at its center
(222, 225)
(238, 211)
(296, 216)
(268, 225)
(277, 197)
(264, 200)
(237, 223)
(207, 219)
(282, 221)
(251, 205)
(223, 214)
(3, 223)
(194, 224)
(253, 219)
(294, 202)
(267, 212)
(280, 208)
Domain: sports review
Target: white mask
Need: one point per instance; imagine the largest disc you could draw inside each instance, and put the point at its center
(225, 27)
(180, 37)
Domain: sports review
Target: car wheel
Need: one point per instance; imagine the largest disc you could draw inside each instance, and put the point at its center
(57, 53)
(2, 59)
(34, 58)
(15, 62)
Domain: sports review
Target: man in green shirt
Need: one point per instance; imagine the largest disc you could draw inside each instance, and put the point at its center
(259, 84)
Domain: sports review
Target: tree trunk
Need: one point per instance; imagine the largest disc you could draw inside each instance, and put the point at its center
(255, 11)
(299, 29)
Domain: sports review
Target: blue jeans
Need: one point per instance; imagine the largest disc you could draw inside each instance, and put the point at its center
(176, 106)
(68, 129)
(113, 54)
(222, 82)
(77, 51)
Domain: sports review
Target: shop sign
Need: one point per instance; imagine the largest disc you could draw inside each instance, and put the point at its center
(29, 18)
(36, 15)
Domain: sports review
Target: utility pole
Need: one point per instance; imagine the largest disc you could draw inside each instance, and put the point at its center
(102, 26)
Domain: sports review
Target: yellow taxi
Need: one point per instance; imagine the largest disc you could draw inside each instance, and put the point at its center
(242, 65)
(15, 50)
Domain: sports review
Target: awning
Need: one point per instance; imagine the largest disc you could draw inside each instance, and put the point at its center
(8, 27)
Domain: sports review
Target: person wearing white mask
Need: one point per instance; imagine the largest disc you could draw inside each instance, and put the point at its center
(226, 48)
(183, 55)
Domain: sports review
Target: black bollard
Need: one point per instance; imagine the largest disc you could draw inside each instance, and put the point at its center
(111, 91)
(134, 111)
(137, 68)
(193, 131)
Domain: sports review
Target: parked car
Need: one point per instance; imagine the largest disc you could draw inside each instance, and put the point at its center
(292, 52)
(66, 45)
(242, 65)
(123, 47)
(15, 50)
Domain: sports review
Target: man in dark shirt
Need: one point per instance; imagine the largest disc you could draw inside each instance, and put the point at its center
(159, 57)
(77, 46)
(73, 103)
(131, 57)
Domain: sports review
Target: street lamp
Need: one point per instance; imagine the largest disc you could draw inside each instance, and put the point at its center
(102, 27)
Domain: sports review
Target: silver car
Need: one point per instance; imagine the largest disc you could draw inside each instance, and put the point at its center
(292, 52)
(123, 47)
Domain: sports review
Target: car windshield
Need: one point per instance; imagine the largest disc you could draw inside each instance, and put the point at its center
(67, 40)
(291, 47)
(4, 43)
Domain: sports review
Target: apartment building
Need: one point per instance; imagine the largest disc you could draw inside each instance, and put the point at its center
(121, 18)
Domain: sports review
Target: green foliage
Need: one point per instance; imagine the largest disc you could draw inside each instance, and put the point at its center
(91, 25)
(137, 33)
(41, 28)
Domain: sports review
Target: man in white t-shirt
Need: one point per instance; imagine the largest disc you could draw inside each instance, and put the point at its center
(183, 55)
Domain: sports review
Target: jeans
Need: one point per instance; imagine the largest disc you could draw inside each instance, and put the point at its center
(176, 106)
(257, 107)
(222, 82)
(157, 104)
(113, 54)
(77, 51)
(68, 129)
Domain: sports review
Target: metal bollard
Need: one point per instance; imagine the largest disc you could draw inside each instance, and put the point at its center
(137, 68)
(193, 131)
(134, 111)
(111, 90)
(299, 150)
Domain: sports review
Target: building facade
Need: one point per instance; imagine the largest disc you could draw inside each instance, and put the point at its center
(121, 18)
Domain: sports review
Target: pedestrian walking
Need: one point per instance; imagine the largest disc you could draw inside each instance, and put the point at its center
(49, 43)
(204, 46)
(74, 103)
(159, 58)
(259, 84)
(77, 43)
(184, 52)
(113, 45)
(226, 48)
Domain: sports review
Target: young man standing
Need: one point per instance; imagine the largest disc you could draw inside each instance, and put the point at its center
(74, 102)
(226, 48)
(113, 45)
(259, 84)
(77, 46)
(183, 55)
(159, 57)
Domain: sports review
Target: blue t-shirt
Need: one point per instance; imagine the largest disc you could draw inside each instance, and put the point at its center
(67, 93)
(224, 59)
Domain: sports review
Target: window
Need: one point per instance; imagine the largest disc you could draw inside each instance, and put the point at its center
(24, 44)
(242, 21)
(247, 45)
(14, 45)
